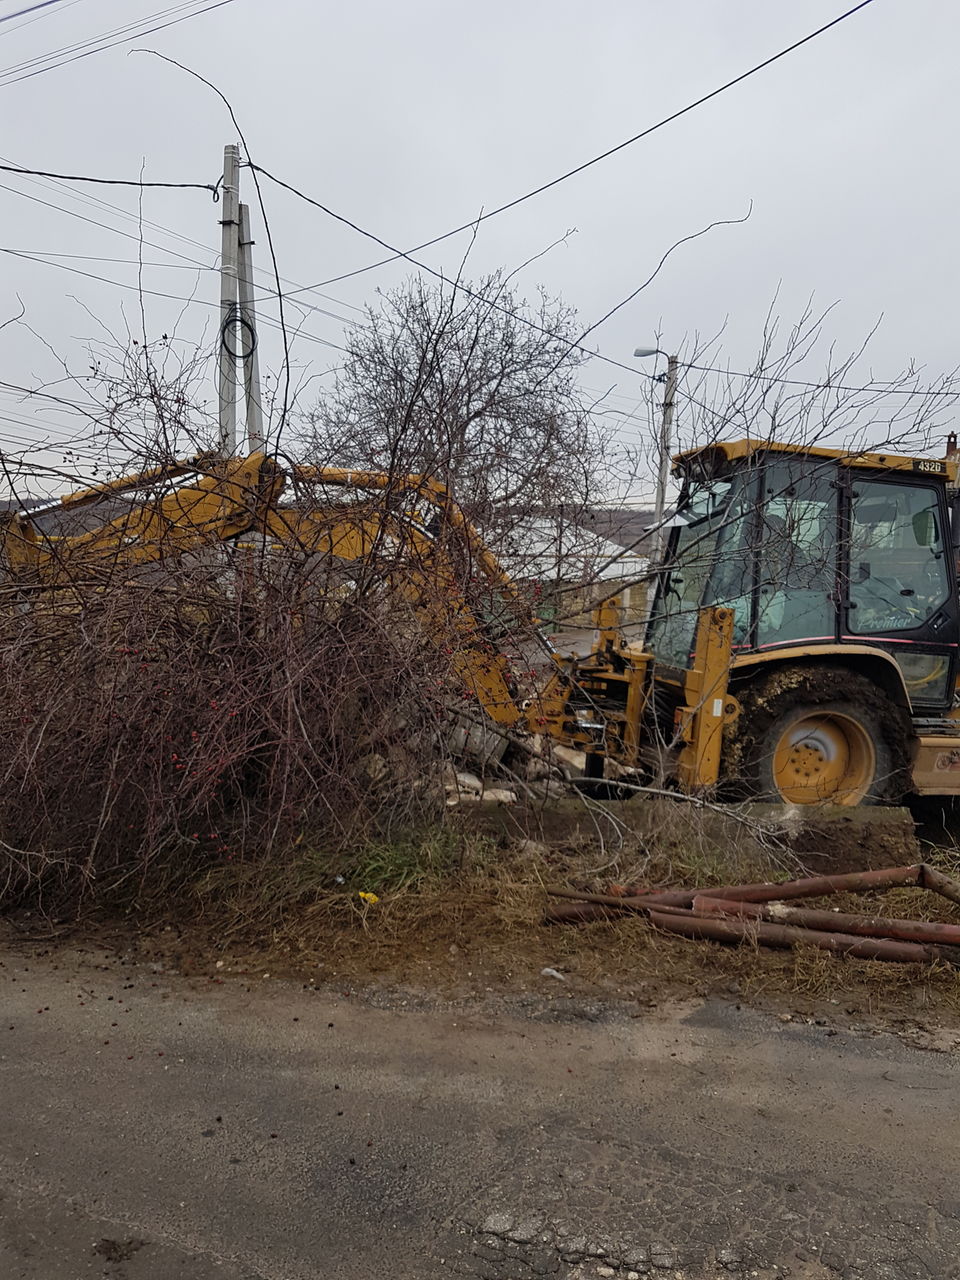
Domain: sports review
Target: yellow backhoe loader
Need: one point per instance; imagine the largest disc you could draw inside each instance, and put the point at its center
(802, 638)
(802, 642)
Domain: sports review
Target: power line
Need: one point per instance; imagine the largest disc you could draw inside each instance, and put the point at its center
(67, 4)
(85, 197)
(55, 434)
(400, 253)
(7, 387)
(25, 195)
(90, 275)
(76, 45)
(604, 155)
(265, 320)
(95, 202)
(573, 346)
(76, 436)
(193, 262)
(880, 387)
(42, 441)
(577, 346)
(58, 435)
(138, 239)
(130, 262)
(112, 182)
(78, 50)
(156, 293)
(43, 4)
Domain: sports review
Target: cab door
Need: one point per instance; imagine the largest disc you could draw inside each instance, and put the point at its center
(901, 590)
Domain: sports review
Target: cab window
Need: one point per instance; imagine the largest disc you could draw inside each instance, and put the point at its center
(705, 517)
(899, 573)
(797, 553)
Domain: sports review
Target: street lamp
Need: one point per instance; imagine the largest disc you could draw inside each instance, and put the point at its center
(666, 444)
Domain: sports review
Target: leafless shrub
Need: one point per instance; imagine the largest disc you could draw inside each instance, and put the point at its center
(173, 701)
(180, 714)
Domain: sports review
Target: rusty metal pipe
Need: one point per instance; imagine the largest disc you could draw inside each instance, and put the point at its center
(781, 935)
(817, 886)
(636, 902)
(832, 921)
(811, 887)
(933, 879)
(580, 913)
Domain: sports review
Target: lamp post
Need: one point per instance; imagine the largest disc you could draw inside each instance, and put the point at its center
(666, 440)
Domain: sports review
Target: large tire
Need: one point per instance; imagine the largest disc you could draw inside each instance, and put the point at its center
(820, 735)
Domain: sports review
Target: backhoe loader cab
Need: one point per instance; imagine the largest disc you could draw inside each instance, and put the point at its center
(838, 573)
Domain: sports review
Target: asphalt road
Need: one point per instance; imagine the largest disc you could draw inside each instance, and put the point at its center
(159, 1128)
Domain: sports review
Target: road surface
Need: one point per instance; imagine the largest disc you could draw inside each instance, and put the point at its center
(163, 1128)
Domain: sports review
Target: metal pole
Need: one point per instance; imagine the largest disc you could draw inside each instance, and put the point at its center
(666, 446)
(250, 345)
(229, 252)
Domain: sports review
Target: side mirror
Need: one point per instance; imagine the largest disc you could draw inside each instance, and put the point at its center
(923, 528)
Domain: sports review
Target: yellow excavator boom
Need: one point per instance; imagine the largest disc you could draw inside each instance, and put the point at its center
(224, 500)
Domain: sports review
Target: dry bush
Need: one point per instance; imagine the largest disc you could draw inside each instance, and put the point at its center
(194, 714)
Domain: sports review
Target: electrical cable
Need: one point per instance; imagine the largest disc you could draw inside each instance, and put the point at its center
(880, 388)
(55, 437)
(51, 54)
(574, 346)
(156, 293)
(439, 275)
(127, 262)
(139, 240)
(86, 198)
(45, 443)
(604, 155)
(8, 388)
(193, 262)
(55, 433)
(236, 320)
(72, 213)
(45, 13)
(42, 4)
(8, 77)
(114, 182)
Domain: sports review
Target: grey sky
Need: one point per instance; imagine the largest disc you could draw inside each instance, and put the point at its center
(410, 118)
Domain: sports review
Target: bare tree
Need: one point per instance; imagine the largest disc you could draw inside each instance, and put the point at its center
(472, 386)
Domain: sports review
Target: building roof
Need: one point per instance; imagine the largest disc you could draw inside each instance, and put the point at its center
(626, 526)
(546, 548)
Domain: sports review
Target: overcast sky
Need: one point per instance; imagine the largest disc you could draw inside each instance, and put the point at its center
(409, 118)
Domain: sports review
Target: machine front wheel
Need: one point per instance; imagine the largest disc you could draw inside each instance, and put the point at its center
(822, 736)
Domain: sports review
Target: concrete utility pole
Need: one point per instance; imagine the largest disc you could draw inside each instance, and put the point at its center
(249, 347)
(665, 447)
(229, 262)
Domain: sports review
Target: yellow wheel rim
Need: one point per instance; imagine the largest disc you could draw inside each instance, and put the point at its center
(824, 758)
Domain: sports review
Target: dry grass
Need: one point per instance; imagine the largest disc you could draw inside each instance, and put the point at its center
(458, 913)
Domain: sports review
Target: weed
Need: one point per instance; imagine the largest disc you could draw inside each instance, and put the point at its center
(410, 860)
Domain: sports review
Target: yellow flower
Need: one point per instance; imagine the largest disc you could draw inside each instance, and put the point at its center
(367, 897)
